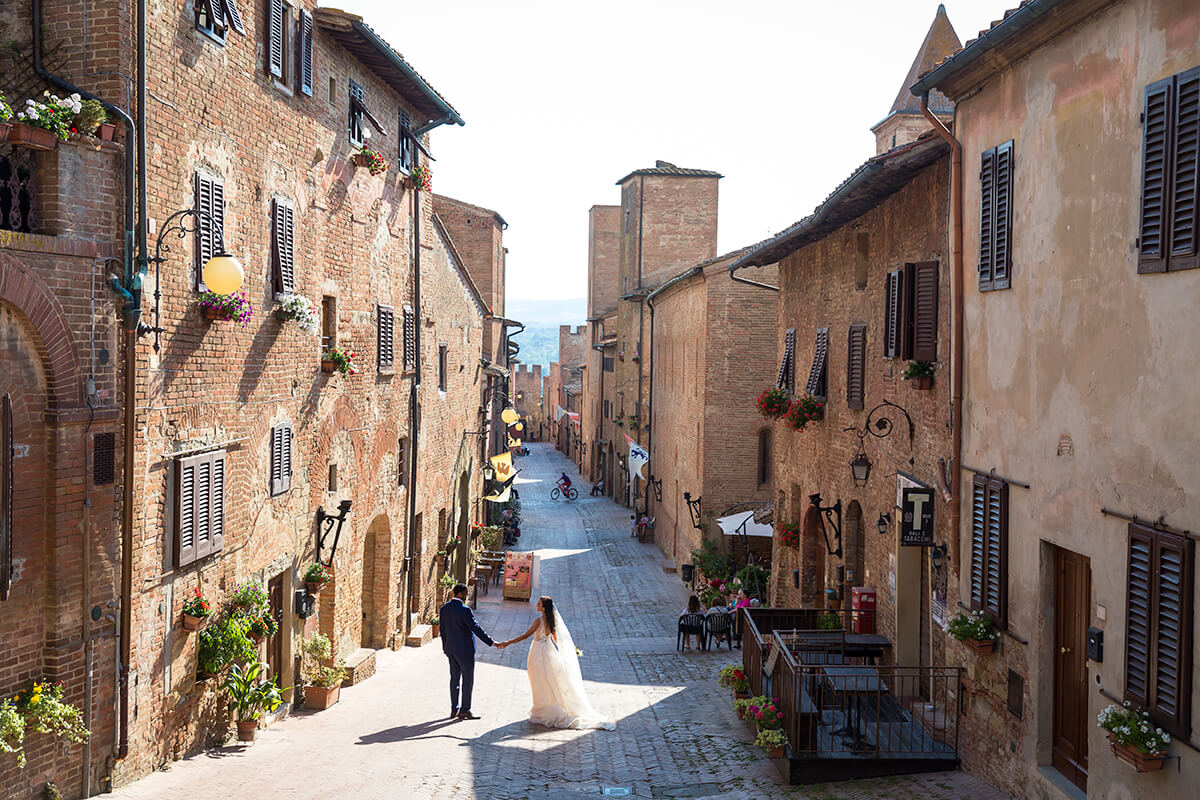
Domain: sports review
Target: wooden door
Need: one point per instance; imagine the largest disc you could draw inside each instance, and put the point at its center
(275, 643)
(1072, 600)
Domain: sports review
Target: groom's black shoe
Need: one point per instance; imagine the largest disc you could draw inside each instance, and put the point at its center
(467, 715)
(453, 713)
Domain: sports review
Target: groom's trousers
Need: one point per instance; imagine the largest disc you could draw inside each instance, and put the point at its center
(462, 670)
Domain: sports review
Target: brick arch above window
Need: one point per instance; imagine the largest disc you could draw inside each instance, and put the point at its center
(30, 295)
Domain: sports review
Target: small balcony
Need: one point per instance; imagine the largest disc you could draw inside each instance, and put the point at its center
(72, 192)
(18, 190)
(846, 715)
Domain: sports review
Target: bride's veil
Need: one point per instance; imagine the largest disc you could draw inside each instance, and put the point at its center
(566, 651)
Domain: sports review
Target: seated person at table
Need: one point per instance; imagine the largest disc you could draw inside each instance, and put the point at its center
(719, 607)
(693, 607)
(598, 488)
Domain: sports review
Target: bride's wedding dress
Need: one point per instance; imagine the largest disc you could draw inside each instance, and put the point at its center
(559, 699)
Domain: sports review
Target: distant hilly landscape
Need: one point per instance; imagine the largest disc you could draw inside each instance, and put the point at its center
(539, 340)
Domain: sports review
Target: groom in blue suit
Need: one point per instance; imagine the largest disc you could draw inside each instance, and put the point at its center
(459, 630)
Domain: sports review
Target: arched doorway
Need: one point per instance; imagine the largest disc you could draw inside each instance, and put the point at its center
(812, 560)
(376, 583)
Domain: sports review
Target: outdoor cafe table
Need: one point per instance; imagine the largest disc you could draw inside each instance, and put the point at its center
(863, 645)
(852, 683)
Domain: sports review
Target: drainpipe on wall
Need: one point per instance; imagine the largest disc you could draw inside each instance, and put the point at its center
(956, 327)
(414, 410)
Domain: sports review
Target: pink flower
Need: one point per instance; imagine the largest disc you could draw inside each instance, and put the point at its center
(759, 715)
(779, 715)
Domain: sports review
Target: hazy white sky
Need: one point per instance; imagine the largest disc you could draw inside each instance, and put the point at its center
(561, 99)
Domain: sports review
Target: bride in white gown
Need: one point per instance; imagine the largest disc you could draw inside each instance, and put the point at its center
(555, 680)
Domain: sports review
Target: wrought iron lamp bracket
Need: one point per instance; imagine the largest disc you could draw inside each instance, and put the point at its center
(181, 223)
(694, 509)
(329, 520)
(833, 515)
(656, 485)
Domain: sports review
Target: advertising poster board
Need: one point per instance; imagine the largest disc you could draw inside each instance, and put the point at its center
(518, 575)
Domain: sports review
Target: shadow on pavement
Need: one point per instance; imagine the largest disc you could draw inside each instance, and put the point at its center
(402, 733)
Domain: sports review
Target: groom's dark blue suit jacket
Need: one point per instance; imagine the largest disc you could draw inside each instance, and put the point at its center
(459, 630)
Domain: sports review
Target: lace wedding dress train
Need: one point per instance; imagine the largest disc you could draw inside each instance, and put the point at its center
(559, 699)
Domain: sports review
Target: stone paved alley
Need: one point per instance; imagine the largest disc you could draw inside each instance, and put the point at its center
(677, 734)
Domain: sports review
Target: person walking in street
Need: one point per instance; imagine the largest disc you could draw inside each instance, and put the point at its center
(555, 680)
(459, 630)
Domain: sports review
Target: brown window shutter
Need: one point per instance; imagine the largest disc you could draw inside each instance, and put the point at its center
(276, 459)
(787, 369)
(856, 356)
(925, 311)
(7, 485)
(978, 541)
(283, 256)
(996, 599)
(203, 505)
(1002, 232)
(1172, 676)
(384, 327)
(275, 39)
(410, 339)
(217, 15)
(906, 311)
(232, 15)
(305, 57)
(404, 123)
(818, 374)
(891, 315)
(1156, 177)
(356, 114)
(1185, 172)
(216, 497)
(987, 218)
(204, 241)
(185, 511)
(1138, 616)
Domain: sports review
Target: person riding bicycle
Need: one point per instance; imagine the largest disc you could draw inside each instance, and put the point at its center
(564, 483)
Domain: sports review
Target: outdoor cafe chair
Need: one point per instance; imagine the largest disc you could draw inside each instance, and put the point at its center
(719, 625)
(690, 624)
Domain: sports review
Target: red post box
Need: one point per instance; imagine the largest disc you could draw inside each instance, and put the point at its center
(862, 601)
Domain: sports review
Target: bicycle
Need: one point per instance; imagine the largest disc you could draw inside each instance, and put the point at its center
(557, 492)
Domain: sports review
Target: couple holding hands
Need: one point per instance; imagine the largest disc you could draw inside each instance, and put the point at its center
(555, 679)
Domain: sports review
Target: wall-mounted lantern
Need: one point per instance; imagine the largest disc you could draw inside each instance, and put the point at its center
(937, 555)
(881, 428)
(509, 416)
(656, 485)
(883, 523)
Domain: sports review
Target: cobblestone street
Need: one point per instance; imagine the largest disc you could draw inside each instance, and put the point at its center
(677, 735)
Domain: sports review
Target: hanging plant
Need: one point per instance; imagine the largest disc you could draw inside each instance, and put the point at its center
(422, 178)
(803, 410)
(789, 533)
(773, 403)
(299, 309)
(235, 306)
(338, 359)
(373, 160)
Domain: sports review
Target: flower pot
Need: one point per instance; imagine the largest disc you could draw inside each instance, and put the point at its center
(105, 131)
(471, 581)
(360, 160)
(981, 647)
(313, 587)
(246, 729)
(741, 712)
(328, 365)
(5, 127)
(212, 314)
(923, 382)
(1141, 762)
(283, 315)
(321, 697)
(191, 623)
(776, 753)
(31, 138)
(740, 695)
(436, 629)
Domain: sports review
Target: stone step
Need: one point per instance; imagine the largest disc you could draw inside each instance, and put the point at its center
(420, 635)
(360, 666)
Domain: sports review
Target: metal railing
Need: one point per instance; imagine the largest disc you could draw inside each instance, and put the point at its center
(18, 190)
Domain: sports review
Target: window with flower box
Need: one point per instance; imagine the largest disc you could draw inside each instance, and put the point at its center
(210, 201)
(359, 113)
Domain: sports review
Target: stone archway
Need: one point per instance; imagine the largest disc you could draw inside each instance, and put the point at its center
(375, 599)
(54, 344)
(812, 560)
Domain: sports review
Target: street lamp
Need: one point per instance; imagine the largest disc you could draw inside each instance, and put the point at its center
(937, 555)
(222, 273)
(860, 467)
(509, 416)
(883, 523)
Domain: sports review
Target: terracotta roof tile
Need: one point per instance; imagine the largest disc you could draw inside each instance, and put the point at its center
(667, 168)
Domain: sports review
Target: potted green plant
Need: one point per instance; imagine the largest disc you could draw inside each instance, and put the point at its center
(262, 626)
(249, 696)
(316, 576)
(920, 373)
(195, 610)
(250, 598)
(733, 677)
(832, 598)
(1134, 738)
(773, 403)
(373, 160)
(829, 621)
(435, 623)
(447, 581)
(222, 643)
(335, 358)
(740, 705)
(322, 681)
(42, 123)
(40, 708)
(299, 309)
(772, 740)
(235, 306)
(88, 118)
(975, 630)
(107, 128)
(12, 730)
(6, 114)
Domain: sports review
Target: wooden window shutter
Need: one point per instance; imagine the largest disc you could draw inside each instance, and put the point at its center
(281, 458)
(410, 339)
(232, 15)
(215, 10)
(925, 311)
(7, 485)
(210, 199)
(216, 514)
(283, 246)
(305, 56)
(891, 324)
(978, 540)
(1172, 686)
(787, 367)
(989, 548)
(1156, 177)
(199, 506)
(1002, 231)
(185, 511)
(856, 355)
(1139, 600)
(906, 310)
(275, 38)
(406, 140)
(384, 328)
(356, 114)
(817, 375)
(1185, 172)
(987, 218)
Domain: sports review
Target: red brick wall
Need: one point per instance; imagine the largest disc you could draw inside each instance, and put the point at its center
(604, 257)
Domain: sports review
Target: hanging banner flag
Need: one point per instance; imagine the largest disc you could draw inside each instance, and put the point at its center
(501, 495)
(558, 412)
(503, 465)
(638, 458)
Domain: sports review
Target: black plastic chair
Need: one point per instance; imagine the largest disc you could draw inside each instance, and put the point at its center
(718, 625)
(690, 624)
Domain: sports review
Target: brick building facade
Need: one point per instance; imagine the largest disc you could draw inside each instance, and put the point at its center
(599, 386)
